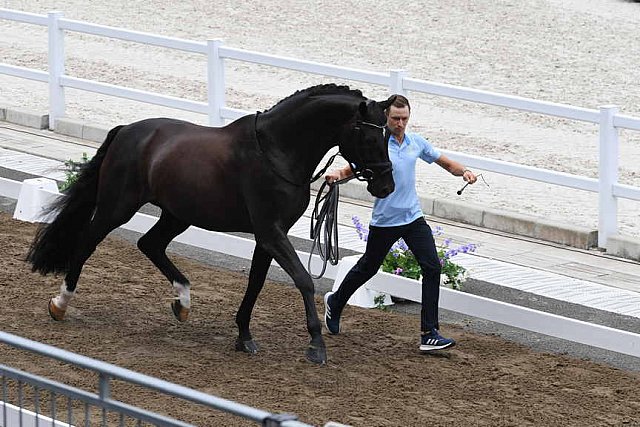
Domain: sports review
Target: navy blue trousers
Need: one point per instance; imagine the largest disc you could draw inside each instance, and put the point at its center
(419, 238)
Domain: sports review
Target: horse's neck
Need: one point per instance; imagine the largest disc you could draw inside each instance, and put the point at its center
(297, 147)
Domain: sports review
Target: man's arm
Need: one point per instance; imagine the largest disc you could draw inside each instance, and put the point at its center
(339, 174)
(456, 168)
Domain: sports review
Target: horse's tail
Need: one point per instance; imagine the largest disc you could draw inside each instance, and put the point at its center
(54, 243)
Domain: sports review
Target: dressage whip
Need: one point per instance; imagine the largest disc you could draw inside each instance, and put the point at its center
(459, 192)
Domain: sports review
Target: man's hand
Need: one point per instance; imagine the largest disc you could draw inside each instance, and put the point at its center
(469, 176)
(338, 174)
(332, 176)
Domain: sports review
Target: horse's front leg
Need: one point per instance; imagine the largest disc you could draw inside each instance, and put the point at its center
(284, 253)
(259, 268)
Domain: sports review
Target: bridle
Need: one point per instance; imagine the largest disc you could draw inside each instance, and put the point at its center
(363, 170)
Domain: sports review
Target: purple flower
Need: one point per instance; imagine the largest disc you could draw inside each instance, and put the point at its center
(450, 253)
(362, 230)
(469, 247)
(466, 248)
(398, 271)
(400, 245)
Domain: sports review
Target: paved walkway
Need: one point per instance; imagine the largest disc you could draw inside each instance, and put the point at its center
(589, 278)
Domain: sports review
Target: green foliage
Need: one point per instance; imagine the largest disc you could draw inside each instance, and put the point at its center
(455, 274)
(403, 263)
(379, 302)
(71, 172)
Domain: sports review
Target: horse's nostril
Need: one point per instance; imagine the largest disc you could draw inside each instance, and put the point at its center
(390, 189)
(385, 191)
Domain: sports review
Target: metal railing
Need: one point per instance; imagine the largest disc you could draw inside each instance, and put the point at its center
(397, 81)
(22, 387)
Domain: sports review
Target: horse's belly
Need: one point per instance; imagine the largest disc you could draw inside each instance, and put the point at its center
(229, 222)
(214, 216)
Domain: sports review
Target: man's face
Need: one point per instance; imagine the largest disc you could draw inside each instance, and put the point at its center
(397, 119)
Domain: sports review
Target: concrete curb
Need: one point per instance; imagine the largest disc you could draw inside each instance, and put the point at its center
(624, 247)
(78, 129)
(481, 216)
(25, 118)
(64, 126)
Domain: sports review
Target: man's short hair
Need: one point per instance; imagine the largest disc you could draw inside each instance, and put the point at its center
(401, 101)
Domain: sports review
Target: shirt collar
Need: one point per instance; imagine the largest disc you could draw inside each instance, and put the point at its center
(406, 141)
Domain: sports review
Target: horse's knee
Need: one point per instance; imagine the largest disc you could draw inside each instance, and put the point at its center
(304, 283)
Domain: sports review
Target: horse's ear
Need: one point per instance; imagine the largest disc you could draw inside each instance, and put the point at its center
(385, 104)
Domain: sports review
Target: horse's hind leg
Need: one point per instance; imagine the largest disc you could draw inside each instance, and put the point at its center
(154, 244)
(103, 222)
(259, 268)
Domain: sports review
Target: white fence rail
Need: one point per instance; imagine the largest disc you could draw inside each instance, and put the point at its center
(397, 81)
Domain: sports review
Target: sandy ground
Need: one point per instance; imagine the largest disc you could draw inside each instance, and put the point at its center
(578, 52)
(375, 376)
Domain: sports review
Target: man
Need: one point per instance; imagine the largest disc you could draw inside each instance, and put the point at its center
(400, 216)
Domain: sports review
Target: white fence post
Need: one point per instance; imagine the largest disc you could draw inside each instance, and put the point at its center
(56, 69)
(215, 81)
(395, 84)
(608, 175)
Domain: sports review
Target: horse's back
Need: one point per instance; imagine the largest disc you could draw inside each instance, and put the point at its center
(188, 169)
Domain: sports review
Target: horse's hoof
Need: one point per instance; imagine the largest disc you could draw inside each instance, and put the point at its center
(317, 355)
(248, 346)
(181, 313)
(55, 312)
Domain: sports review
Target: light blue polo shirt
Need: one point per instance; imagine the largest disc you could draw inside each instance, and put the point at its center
(403, 206)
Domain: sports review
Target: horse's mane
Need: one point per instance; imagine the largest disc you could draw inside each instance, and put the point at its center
(323, 89)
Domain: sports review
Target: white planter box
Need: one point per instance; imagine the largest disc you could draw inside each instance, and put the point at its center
(363, 297)
(35, 196)
(391, 284)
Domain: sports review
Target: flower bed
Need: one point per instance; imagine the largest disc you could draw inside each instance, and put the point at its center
(400, 259)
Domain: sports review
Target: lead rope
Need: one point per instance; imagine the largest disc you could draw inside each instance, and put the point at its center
(326, 238)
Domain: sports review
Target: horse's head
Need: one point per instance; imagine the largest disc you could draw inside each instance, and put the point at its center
(365, 148)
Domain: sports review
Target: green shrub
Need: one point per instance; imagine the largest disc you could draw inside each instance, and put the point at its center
(71, 172)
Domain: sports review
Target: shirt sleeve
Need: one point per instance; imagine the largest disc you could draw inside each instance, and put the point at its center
(428, 153)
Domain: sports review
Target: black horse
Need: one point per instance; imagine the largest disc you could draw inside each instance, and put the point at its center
(252, 175)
